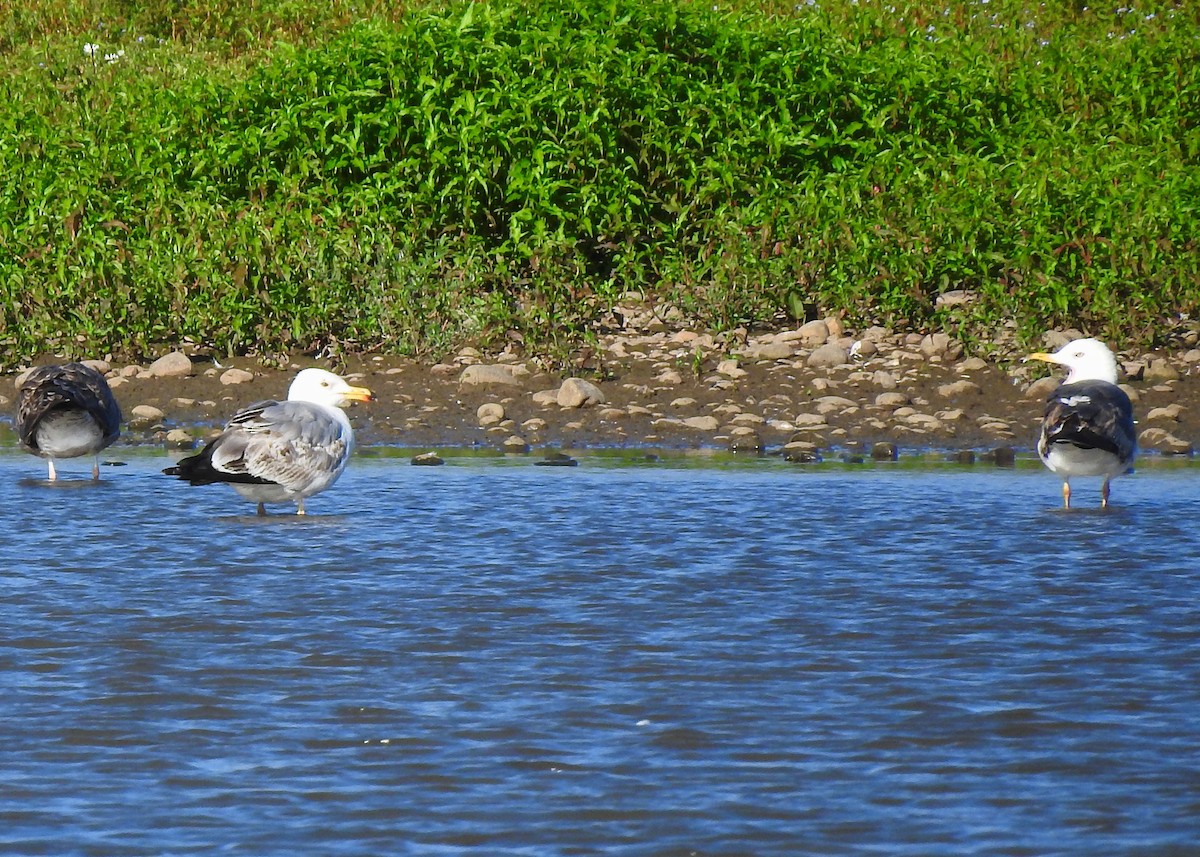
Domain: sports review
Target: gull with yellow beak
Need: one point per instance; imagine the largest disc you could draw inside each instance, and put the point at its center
(282, 452)
(1088, 425)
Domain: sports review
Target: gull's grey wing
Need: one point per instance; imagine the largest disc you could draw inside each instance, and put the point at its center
(292, 444)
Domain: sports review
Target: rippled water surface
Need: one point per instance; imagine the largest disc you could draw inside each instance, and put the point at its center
(495, 658)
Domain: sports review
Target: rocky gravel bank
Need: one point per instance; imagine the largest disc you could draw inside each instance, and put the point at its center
(803, 391)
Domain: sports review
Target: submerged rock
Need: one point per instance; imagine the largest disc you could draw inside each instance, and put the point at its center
(884, 451)
(515, 444)
(747, 441)
(1003, 456)
(180, 439)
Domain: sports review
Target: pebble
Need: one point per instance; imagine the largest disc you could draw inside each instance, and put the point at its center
(705, 423)
(490, 413)
(236, 376)
(1003, 456)
(862, 349)
(956, 297)
(427, 459)
(730, 369)
(173, 365)
(769, 351)
(801, 452)
(884, 451)
(1161, 440)
(806, 421)
(488, 373)
(515, 444)
(746, 442)
(828, 356)
(813, 334)
(1160, 370)
(1041, 388)
(1170, 413)
(748, 419)
(891, 400)
(180, 439)
(959, 389)
(935, 344)
(884, 380)
(578, 393)
(145, 416)
(971, 364)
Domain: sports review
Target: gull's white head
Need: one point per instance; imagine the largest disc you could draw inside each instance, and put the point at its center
(325, 388)
(1085, 359)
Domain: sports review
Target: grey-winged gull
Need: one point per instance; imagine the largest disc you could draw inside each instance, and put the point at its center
(282, 452)
(1087, 429)
(65, 411)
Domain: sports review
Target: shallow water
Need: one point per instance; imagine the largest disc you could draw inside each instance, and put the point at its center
(652, 659)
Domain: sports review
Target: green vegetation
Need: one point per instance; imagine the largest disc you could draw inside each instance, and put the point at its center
(300, 175)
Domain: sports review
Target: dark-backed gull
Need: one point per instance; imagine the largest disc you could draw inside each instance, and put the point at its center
(1088, 425)
(66, 411)
(282, 452)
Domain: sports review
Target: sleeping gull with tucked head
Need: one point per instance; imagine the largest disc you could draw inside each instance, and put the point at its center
(282, 452)
(1088, 425)
(66, 411)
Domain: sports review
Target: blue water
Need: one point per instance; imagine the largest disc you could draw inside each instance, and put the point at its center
(652, 659)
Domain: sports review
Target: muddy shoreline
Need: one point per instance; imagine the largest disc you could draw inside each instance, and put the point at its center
(813, 388)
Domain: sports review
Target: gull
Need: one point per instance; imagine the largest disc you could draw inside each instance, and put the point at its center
(1087, 429)
(282, 451)
(65, 411)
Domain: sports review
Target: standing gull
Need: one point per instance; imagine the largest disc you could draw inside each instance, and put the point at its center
(282, 452)
(67, 411)
(1088, 426)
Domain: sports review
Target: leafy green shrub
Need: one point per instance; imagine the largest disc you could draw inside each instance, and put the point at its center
(468, 172)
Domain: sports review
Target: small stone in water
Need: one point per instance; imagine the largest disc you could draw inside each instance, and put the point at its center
(884, 451)
(1004, 456)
